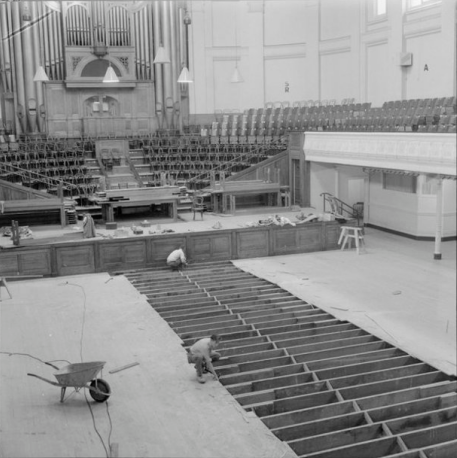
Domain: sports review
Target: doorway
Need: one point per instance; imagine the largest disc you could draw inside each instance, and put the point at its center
(356, 190)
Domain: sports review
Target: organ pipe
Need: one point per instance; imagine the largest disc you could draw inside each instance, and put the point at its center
(150, 39)
(158, 67)
(174, 40)
(146, 44)
(43, 41)
(167, 44)
(137, 47)
(38, 52)
(5, 55)
(20, 89)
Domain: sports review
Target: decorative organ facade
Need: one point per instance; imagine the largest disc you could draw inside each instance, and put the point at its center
(75, 42)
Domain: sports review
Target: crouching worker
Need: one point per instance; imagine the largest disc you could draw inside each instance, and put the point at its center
(177, 258)
(202, 354)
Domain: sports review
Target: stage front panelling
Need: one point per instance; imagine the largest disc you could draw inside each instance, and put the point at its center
(75, 259)
(159, 247)
(108, 255)
(254, 243)
(128, 254)
(210, 246)
(30, 262)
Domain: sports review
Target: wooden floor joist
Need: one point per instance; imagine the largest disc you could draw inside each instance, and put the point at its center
(326, 387)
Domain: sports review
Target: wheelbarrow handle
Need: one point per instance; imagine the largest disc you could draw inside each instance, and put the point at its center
(45, 380)
(52, 365)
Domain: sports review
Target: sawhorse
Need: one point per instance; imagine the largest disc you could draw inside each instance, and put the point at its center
(3, 284)
(350, 232)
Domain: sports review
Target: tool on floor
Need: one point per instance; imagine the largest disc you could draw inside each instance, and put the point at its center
(127, 366)
(78, 376)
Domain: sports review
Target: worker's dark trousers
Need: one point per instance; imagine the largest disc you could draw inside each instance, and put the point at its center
(198, 361)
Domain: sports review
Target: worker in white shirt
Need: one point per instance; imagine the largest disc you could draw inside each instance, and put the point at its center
(202, 354)
(177, 258)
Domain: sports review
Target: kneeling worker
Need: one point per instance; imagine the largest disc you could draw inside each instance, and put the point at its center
(177, 258)
(202, 352)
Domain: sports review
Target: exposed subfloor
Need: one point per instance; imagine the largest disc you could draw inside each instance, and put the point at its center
(323, 385)
(394, 292)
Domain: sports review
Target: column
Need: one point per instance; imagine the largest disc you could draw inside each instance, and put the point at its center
(439, 218)
(200, 91)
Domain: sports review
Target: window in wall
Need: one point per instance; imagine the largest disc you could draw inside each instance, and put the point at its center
(399, 183)
(380, 7)
(418, 3)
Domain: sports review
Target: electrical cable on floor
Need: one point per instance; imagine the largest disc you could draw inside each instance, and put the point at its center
(95, 426)
(107, 450)
(10, 353)
(84, 316)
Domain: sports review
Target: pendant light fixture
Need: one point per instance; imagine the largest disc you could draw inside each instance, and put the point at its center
(40, 75)
(185, 76)
(110, 75)
(162, 56)
(236, 76)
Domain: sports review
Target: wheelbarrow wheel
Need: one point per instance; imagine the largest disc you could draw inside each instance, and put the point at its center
(100, 385)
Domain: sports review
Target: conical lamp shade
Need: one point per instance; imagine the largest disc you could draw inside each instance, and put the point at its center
(110, 76)
(236, 77)
(162, 56)
(184, 77)
(40, 75)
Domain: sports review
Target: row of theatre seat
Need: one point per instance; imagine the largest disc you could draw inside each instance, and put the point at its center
(46, 158)
(393, 115)
(76, 180)
(197, 176)
(209, 156)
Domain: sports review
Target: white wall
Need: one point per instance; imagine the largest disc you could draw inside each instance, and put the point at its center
(285, 73)
(377, 83)
(283, 22)
(323, 178)
(425, 77)
(337, 76)
(324, 49)
(413, 214)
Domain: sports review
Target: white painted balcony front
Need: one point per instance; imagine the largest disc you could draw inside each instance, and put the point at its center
(429, 153)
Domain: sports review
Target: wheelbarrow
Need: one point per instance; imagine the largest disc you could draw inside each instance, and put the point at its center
(80, 375)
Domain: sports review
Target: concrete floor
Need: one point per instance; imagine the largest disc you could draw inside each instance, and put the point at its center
(395, 290)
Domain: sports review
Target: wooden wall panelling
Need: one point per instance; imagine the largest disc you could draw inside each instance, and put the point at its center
(35, 262)
(161, 247)
(9, 264)
(331, 234)
(299, 239)
(27, 262)
(128, 254)
(210, 246)
(252, 243)
(75, 259)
